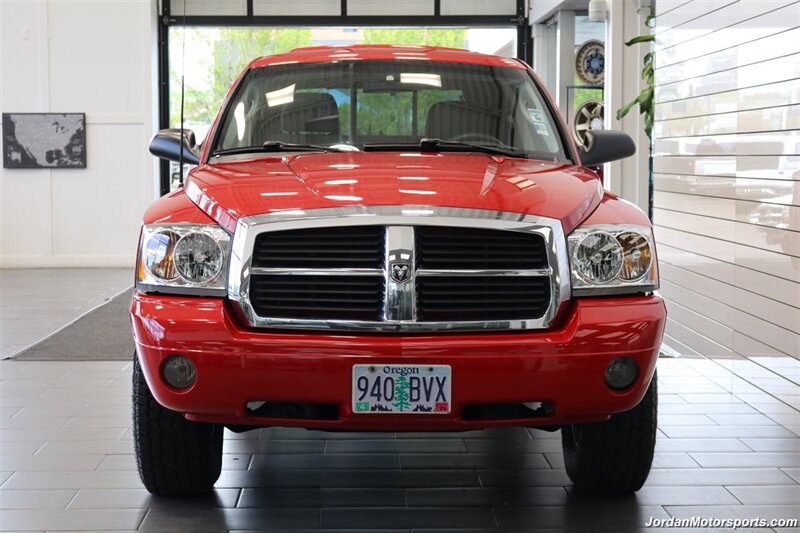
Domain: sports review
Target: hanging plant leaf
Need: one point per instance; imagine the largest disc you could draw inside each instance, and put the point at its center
(645, 99)
(641, 39)
(624, 110)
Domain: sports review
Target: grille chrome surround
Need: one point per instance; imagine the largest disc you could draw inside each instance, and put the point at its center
(399, 313)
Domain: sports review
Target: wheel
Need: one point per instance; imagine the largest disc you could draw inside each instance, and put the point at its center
(614, 456)
(175, 456)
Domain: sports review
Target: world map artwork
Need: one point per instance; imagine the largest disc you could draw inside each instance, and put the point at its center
(44, 140)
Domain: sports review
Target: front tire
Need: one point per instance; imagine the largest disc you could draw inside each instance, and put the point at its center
(615, 456)
(175, 456)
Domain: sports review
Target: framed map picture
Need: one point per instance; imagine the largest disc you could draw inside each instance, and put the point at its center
(44, 140)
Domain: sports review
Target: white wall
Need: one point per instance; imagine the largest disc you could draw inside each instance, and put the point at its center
(727, 175)
(97, 57)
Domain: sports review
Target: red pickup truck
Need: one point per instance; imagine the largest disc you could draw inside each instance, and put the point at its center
(388, 239)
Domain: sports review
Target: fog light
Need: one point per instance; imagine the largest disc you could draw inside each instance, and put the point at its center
(621, 373)
(179, 372)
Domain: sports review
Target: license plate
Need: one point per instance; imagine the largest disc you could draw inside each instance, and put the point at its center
(408, 389)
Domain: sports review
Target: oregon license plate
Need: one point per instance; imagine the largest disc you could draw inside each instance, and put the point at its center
(408, 389)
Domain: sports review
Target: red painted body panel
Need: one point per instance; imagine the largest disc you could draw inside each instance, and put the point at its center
(325, 54)
(564, 365)
(252, 185)
(175, 207)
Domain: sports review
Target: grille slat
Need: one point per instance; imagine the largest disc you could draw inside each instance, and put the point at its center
(336, 247)
(313, 297)
(480, 298)
(325, 285)
(474, 248)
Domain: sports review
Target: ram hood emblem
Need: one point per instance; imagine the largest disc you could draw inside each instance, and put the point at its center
(400, 271)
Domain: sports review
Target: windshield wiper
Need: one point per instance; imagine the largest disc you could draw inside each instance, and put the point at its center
(440, 145)
(276, 146)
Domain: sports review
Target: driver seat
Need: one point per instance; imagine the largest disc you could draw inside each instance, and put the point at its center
(447, 120)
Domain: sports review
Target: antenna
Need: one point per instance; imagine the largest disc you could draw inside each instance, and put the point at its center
(183, 83)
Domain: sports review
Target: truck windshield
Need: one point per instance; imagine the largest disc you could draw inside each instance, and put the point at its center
(389, 105)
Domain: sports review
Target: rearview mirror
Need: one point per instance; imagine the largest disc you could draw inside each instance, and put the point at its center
(167, 144)
(604, 146)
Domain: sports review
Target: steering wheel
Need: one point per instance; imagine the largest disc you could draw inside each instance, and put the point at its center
(477, 137)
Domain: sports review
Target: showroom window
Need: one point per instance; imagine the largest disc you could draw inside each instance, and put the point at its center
(215, 56)
(209, 43)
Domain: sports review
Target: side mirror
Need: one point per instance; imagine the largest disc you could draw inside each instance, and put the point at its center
(603, 146)
(167, 144)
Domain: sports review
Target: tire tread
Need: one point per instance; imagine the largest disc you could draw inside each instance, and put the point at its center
(615, 456)
(174, 456)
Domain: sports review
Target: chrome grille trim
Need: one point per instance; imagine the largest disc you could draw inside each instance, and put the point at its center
(319, 271)
(400, 297)
(399, 314)
(538, 272)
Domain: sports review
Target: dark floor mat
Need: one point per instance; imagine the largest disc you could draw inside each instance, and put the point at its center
(103, 334)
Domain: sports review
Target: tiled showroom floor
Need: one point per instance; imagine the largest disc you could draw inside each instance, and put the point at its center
(37, 302)
(728, 446)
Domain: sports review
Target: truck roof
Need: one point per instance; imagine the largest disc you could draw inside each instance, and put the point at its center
(321, 54)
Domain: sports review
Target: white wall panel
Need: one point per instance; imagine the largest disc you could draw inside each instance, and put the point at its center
(24, 50)
(770, 143)
(666, 6)
(756, 236)
(770, 71)
(758, 97)
(762, 23)
(24, 194)
(783, 216)
(743, 344)
(697, 205)
(756, 213)
(82, 230)
(704, 265)
(773, 191)
(714, 248)
(715, 15)
(727, 175)
(750, 167)
(671, 17)
(96, 57)
(95, 79)
(788, 42)
(782, 290)
(26, 225)
(754, 120)
(704, 335)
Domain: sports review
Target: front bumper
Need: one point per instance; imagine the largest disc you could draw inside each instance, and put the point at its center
(564, 366)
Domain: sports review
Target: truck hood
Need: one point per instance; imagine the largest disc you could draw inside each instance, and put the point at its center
(242, 186)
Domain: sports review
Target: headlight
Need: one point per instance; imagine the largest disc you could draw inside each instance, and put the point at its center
(612, 259)
(183, 259)
(597, 258)
(637, 256)
(198, 258)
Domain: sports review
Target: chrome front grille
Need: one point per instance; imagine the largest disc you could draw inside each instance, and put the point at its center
(447, 248)
(350, 247)
(341, 297)
(398, 268)
(459, 298)
(478, 274)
